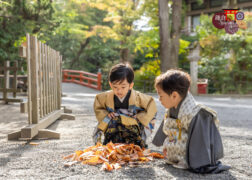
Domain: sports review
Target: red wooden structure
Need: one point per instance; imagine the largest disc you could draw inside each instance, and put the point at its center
(83, 78)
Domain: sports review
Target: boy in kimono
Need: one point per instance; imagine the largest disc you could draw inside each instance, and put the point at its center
(189, 133)
(124, 115)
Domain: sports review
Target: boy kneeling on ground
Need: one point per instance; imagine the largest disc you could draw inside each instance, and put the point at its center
(124, 115)
(189, 133)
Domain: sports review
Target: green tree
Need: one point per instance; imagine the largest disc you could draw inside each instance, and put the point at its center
(18, 18)
(79, 37)
(123, 13)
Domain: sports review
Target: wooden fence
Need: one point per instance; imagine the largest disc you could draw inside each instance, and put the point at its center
(83, 78)
(6, 82)
(44, 90)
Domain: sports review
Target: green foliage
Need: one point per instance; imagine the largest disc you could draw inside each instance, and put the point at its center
(78, 26)
(150, 9)
(89, 34)
(183, 53)
(226, 59)
(145, 76)
(105, 72)
(148, 41)
(18, 18)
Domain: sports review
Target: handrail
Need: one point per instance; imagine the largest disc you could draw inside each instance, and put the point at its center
(83, 78)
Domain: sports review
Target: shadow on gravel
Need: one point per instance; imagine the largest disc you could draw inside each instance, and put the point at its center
(14, 153)
(54, 126)
(139, 173)
(182, 174)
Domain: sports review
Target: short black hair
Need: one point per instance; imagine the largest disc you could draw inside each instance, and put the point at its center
(174, 80)
(120, 72)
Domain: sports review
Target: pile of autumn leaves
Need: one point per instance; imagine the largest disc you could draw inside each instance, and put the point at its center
(112, 156)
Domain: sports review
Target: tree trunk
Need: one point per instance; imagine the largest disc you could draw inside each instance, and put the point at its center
(125, 55)
(164, 34)
(76, 59)
(169, 41)
(175, 33)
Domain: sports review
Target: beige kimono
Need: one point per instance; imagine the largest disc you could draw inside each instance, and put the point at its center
(177, 131)
(141, 105)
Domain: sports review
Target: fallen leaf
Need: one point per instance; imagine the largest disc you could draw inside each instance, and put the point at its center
(68, 164)
(113, 156)
(34, 143)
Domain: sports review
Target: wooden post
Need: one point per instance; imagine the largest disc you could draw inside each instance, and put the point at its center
(60, 85)
(6, 81)
(40, 80)
(54, 79)
(34, 83)
(58, 81)
(15, 79)
(50, 78)
(47, 79)
(51, 72)
(28, 53)
(23, 107)
(99, 81)
(22, 52)
(43, 79)
(65, 76)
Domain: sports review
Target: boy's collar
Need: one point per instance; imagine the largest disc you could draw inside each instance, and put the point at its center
(126, 96)
(179, 104)
(110, 99)
(187, 105)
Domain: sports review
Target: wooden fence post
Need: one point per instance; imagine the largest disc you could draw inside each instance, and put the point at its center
(28, 59)
(99, 81)
(6, 81)
(14, 82)
(34, 83)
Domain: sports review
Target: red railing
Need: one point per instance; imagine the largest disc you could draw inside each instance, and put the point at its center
(83, 78)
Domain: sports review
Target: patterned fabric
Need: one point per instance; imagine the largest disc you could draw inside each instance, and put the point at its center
(119, 133)
(142, 105)
(177, 131)
(141, 113)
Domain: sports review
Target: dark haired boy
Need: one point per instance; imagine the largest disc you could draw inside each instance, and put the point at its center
(124, 115)
(189, 133)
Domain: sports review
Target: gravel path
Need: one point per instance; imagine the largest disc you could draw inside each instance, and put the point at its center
(20, 160)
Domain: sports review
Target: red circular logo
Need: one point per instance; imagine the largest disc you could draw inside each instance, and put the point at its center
(219, 20)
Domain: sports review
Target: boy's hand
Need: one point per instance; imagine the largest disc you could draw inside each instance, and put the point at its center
(111, 115)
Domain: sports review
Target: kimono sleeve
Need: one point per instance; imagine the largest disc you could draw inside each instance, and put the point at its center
(101, 113)
(150, 110)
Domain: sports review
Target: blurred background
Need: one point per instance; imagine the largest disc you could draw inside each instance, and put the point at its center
(93, 35)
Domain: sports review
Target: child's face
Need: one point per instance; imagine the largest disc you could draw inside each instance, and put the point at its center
(168, 101)
(121, 89)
